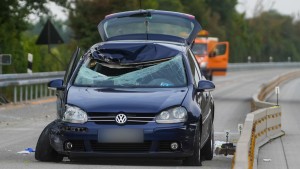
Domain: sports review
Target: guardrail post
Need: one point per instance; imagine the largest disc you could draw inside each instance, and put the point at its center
(41, 90)
(45, 88)
(26, 93)
(15, 94)
(36, 91)
(31, 92)
(21, 93)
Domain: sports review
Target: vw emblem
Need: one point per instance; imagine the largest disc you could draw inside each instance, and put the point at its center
(121, 118)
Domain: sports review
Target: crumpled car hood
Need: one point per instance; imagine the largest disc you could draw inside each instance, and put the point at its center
(125, 100)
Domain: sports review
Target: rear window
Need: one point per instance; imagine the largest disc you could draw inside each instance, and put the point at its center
(154, 24)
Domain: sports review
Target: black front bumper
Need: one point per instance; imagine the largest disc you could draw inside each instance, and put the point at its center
(157, 140)
(170, 155)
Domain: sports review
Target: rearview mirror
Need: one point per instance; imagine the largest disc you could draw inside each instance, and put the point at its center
(205, 86)
(56, 84)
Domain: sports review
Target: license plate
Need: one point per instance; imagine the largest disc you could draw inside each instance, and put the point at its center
(120, 136)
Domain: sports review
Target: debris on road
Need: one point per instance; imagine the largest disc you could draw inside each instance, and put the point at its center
(219, 143)
(27, 151)
(267, 160)
(225, 147)
(30, 150)
(24, 152)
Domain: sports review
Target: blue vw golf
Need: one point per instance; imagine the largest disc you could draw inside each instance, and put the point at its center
(139, 93)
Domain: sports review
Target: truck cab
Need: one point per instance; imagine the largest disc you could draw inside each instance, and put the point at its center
(211, 55)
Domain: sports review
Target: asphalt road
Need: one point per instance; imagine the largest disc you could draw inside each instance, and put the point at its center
(21, 125)
(283, 152)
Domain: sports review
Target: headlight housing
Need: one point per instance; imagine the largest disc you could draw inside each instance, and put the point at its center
(173, 115)
(203, 65)
(74, 115)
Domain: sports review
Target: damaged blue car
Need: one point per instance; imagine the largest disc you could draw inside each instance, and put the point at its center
(139, 93)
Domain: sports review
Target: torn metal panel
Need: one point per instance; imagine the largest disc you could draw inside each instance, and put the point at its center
(125, 53)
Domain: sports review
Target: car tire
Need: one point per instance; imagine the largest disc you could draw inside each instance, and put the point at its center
(44, 151)
(208, 148)
(195, 159)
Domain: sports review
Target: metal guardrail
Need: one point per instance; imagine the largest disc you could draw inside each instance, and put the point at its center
(28, 79)
(22, 87)
(32, 86)
(262, 65)
(260, 126)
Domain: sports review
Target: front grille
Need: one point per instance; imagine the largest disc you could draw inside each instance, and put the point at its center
(132, 118)
(164, 146)
(78, 145)
(121, 147)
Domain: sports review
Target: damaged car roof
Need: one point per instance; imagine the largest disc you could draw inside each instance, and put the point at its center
(144, 36)
(128, 52)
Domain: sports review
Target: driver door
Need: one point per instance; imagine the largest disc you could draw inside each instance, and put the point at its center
(219, 61)
(61, 94)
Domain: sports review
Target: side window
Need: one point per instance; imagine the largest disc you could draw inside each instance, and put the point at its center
(194, 67)
(221, 49)
(196, 64)
(71, 66)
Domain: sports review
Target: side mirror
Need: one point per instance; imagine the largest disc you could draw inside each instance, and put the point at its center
(205, 86)
(56, 84)
(212, 54)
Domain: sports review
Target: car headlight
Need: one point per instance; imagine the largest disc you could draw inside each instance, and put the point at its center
(203, 65)
(174, 115)
(74, 115)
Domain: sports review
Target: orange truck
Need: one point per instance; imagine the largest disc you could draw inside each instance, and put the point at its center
(212, 55)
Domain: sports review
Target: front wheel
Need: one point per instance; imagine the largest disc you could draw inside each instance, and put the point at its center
(44, 150)
(195, 159)
(208, 148)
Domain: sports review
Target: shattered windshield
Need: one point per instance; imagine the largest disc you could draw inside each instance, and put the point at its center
(163, 73)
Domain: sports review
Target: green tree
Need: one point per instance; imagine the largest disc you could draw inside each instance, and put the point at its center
(13, 22)
(268, 34)
(170, 5)
(273, 35)
(225, 8)
(86, 15)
